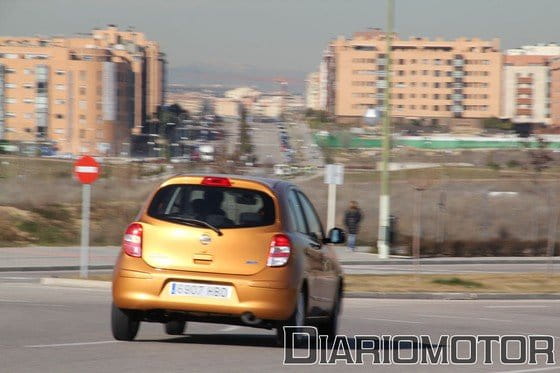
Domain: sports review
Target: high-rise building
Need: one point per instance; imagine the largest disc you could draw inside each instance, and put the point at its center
(312, 91)
(84, 93)
(453, 82)
(528, 83)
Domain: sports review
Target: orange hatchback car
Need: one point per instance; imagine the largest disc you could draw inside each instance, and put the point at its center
(227, 249)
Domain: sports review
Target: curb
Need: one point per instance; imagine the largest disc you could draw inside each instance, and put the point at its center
(54, 268)
(455, 296)
(556, 260)
(75, 283)
(94, 284)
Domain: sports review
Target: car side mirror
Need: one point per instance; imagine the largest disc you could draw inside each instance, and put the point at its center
(336, 236)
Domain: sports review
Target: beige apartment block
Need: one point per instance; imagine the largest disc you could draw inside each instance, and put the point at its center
(312, 99)
(227, 107)
(454, 82)
(526, 89)
(83, 93)
(193, 102)
(555, 91)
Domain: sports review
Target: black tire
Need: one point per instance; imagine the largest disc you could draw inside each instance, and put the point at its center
(330, 327)
(297, 319)
(123, 324)
(175, 327)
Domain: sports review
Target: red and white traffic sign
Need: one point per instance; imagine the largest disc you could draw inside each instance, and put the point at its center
(86, 169)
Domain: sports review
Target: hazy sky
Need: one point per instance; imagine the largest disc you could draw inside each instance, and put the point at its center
(279, 35)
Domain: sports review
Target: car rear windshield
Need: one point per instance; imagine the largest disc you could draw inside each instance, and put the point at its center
(219, 206)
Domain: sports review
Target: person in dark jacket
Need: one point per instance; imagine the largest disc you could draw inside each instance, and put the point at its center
(352, 219)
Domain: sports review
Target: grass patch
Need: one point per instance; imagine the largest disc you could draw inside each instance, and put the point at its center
(456, 281)
(478, 283)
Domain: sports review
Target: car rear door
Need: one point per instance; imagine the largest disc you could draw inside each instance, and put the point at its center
(325, 276)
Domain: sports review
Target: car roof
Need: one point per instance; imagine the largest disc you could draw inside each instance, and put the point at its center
(269, 182)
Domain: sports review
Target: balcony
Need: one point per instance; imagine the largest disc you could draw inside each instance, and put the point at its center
(524, 112)
(525, 80)
(524, 101)
(524, 91)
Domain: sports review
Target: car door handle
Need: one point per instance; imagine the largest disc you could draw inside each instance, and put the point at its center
(315, 245)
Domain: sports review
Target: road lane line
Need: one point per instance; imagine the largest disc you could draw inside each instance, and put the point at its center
(392, 320)
(465, 318)
(72, 344)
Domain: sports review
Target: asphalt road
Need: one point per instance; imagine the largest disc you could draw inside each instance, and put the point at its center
(55, 329)
(266, 139)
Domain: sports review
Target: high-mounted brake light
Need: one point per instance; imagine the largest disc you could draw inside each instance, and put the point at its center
(132, 240)
(216, 181)
(280, 248)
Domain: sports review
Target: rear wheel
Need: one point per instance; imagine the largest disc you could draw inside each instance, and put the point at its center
(297, 319)
(123, 324)
(175, 327)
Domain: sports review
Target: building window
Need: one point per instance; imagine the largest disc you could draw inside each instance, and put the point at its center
(82, 75)
(9, 70)
(82, 117)
(28, 115)
(28, 100)
(28, 85)
(10, 85)
(59, 131)
(60, 102)
(83, 104)
(10, 100)
(82, 90)
(59, 116)
(10, 56)
(60, 72)
(10, 114)
(82, 134)
(60, 87)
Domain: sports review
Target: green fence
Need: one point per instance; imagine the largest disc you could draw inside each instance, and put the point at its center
(333, 141)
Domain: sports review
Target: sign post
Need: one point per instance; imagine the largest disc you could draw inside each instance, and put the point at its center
(334, 175)
(86, 170)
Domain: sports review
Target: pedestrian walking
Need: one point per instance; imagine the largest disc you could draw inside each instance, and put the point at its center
(352, 219)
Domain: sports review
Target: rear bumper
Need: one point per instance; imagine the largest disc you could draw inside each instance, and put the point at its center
(267, 299)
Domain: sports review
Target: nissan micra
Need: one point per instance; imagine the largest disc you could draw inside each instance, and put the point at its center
(227, 249)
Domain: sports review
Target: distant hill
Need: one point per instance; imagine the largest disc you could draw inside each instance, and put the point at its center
(236, 76)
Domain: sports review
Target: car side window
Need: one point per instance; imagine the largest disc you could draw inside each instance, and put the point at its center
(296, 212)
(315, 229)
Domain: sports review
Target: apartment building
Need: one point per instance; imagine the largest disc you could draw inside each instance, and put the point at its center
(312, 91)
(555, 91)
(85, 93)
(529, 84)
(453, 82)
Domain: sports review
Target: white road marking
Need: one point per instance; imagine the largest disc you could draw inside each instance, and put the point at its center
(16, 278)
(464, 318)
(529, 370)
(520, 306)
(230, 328)
(72, 344)
(392, 320)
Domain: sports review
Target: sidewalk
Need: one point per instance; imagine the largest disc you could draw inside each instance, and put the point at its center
(50, 258)
(360, 261)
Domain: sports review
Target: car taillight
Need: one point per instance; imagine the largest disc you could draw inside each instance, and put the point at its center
(216, 181)
(279, 253)
(132, 240)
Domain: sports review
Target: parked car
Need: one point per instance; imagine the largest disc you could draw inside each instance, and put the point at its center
(233, 250)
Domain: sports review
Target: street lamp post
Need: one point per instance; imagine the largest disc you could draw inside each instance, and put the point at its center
(384, 197)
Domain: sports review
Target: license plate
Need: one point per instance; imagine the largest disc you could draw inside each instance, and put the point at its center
(200, 290)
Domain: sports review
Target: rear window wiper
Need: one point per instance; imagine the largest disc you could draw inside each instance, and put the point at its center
(194, 222)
